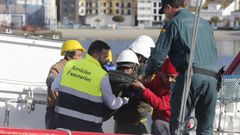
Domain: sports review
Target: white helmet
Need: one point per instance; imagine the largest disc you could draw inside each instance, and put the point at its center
(145, 40)
(142, 45)
(140, 48)
(127, 56)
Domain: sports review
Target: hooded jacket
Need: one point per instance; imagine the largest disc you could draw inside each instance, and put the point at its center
(158, 95)
(159, 98)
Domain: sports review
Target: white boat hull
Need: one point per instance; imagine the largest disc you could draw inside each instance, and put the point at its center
(25, 63)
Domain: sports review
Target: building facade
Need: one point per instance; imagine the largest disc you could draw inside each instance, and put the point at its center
(23, 12)
(193, 3)
(157, 17)
(68, 12)
(144, 13)
(235, 20)
(223, 13)
(93, 12)
(34, 11)
(148, 13)
(50, 14)
(100, 12)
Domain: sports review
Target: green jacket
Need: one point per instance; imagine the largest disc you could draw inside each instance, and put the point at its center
(175, 41)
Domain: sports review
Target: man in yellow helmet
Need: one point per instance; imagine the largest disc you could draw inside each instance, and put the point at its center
(71, 49)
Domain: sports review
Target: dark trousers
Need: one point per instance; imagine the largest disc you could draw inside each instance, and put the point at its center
(50, 121)
(130, 128)
(160, 127)
(202, 97)
(74, 124)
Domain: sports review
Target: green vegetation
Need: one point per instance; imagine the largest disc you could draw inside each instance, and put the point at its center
(118, 18)
(215, 20)
(97, 20)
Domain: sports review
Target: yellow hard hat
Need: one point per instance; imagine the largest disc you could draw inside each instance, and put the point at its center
(71, 45)
(110, 56)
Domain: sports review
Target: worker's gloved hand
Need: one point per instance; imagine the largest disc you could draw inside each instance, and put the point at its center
(125, 100)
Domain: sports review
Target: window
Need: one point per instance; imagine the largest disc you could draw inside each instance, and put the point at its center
(110, 4)
(155, 11)
(65, 10)
(129, 12)
(104, 4)
(129, 5)
(117, 11)
(122, 11)
(155, 18)
(154, 4)
(159, 4)
(110, 11)
(117, 4)
(104, 11)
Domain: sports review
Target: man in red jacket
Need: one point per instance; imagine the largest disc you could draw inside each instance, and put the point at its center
(157, 94)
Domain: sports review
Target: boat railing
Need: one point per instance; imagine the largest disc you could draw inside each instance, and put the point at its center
(230, 91)
(26, 96)
(227, 110)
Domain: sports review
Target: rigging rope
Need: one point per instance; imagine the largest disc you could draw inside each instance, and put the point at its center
(188, 75)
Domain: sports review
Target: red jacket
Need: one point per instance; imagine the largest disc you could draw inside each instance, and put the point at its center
(158, 97)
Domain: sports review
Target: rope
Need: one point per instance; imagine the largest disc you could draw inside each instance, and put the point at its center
(188, 75)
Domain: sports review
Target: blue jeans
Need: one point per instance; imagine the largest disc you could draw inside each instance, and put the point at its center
(202, 96)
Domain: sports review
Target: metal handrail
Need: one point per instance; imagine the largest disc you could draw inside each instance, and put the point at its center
(29, 100)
